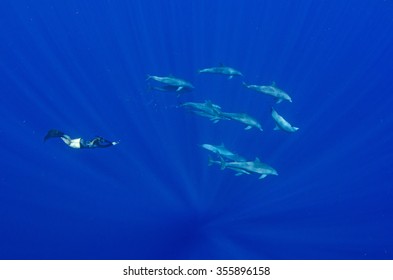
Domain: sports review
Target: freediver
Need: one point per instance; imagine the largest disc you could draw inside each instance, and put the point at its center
(79, 143)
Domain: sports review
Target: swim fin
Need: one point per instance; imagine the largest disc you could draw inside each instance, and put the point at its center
(53, 133)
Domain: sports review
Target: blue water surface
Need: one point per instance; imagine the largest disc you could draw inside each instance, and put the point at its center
(81, 66)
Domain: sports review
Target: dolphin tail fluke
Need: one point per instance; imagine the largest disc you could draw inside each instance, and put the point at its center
(244, 84)
(148, 77)
(53, 133)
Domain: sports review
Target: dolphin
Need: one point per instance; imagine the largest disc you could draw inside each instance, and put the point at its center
(223, 70)
(281, 123)
(272, 90)
(177, 83)
(170, 88)
(244, 118)
(206, 109)
(167, 88)
(246, 167)
(222, 151)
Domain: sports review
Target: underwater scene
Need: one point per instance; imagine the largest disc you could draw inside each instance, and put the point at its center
(182, 129)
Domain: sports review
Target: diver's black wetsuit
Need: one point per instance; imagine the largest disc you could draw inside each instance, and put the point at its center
(97, 142)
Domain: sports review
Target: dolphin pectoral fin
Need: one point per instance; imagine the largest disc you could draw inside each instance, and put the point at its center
(248, 127)
(262, 176)
(215, 120)
(230, 77)
(179, 88)
(278, 101)
(239, 174)
(277, 128)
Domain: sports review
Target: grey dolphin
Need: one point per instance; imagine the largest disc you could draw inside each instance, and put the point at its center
(244, 118)
(172, 81)
(272, 90)
(281, 123)
(246, 167)
(206, 109)
(223, 151)
(223, 70)
(169, 88)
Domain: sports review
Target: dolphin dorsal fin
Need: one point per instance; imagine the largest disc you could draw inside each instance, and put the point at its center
(273, 83)
(221, 64)
(257, 159)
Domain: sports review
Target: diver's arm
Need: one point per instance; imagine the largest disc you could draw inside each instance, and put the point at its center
(99, 142)
(103, 143)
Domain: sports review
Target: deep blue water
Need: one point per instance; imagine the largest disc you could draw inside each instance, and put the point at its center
(81, 67)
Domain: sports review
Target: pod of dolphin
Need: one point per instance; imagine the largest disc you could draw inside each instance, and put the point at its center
(224, 157)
